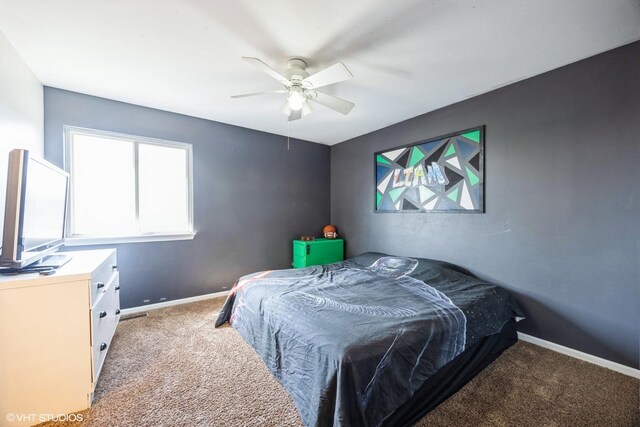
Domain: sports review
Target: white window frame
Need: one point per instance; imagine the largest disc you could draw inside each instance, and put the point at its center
(80, 240)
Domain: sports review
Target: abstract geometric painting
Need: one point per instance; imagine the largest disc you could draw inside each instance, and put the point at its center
(444, 174)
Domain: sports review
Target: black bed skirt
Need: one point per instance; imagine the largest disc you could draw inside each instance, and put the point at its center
(453, 376)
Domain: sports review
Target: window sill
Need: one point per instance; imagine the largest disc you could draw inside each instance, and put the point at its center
(111, 240)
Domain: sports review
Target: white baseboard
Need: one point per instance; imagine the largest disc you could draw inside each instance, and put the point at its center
(623, 369)
(149, 307)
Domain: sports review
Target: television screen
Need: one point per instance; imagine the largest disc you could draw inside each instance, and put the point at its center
(44, 206)
(35, 210)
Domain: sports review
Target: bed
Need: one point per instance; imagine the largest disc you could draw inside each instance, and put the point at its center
(375, 340)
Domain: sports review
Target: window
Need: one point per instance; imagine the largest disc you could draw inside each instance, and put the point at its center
(127, 188)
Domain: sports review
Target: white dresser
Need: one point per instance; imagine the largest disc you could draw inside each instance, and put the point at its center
(55, 332)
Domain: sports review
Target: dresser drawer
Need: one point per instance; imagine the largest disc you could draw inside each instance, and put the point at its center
(101, 276)
(104, 319)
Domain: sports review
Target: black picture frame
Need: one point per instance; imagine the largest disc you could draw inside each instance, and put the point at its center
(441, 193)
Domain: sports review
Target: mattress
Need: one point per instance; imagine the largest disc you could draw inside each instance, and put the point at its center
(353, 342)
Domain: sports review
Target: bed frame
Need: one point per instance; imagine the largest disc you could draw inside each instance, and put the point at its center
(453, 376)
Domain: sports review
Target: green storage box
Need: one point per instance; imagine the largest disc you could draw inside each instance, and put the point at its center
(317, 252)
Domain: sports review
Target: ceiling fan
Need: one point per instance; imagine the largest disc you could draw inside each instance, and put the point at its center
(302, 87)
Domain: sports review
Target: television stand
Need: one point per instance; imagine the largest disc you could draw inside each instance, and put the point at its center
(55, 333)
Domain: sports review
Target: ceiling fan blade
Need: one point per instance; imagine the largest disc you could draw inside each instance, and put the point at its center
(333, 102)
(334, 74)
(295, 115)
(259, 93)
(265, 68)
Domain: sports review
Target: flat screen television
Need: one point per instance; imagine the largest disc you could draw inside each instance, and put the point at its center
(35, 210)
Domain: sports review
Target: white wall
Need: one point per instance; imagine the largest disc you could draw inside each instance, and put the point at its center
(21, 111)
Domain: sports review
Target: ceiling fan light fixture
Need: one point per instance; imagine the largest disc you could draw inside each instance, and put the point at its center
(306, 108)
(296, 98)
(286, 110)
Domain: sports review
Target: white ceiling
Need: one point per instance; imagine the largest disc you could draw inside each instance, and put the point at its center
(407, 57)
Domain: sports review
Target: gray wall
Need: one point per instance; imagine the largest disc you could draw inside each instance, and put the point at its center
(252, 196)
(561, 228)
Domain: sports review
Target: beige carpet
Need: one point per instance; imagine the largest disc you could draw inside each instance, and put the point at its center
(173, 368)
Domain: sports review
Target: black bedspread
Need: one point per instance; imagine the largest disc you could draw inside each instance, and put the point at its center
(352, 341)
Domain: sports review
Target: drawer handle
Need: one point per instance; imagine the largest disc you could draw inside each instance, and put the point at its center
(117, 311)
(100, 285)
(117, 287)
(114, 267)
(103, 314)
(103, 346)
